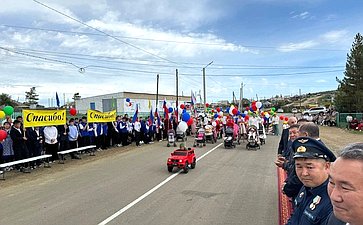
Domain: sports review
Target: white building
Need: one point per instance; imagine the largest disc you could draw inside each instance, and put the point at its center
(109, 102)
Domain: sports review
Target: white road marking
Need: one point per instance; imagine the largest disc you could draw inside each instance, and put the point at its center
(124, 209)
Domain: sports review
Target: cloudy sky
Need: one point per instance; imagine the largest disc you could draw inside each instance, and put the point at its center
(272, 46)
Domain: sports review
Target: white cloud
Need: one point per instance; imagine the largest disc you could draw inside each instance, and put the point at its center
(290, 47)
(335, 36)
(303, 15)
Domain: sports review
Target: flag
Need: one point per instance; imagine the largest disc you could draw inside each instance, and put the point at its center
(149, 105)
(57, 99)
(134, 118)
(166, 110)
(151, 119)
(193, 100)
(158, 117)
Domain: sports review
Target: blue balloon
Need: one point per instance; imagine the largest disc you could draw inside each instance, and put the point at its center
(128, 100)
(238, 113)
(227, 110)
(170, 109)
(185, 117)
(215, 116)
(243, 115)
(184, 110)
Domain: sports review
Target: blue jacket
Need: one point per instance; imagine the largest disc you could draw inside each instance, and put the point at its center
(312, 206)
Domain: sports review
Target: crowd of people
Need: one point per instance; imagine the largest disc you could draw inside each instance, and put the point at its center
(22, 143)
(323, 189)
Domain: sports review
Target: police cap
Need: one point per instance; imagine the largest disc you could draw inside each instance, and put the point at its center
(306, 147)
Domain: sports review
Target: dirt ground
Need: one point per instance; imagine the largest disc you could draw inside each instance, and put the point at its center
(336, 139)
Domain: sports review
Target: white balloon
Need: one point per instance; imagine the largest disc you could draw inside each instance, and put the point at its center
(220, 113)
(183, 126)
(258, 105)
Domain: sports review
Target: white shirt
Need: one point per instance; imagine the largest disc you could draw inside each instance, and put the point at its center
(137, 126)
(49, 134)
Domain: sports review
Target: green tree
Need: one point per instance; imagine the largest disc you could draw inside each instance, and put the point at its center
(349, 97)
(5, 99)
(31, 97)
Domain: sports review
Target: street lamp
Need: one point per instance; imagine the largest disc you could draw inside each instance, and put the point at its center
(204, 87)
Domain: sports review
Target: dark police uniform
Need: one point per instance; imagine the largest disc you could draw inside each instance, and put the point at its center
(312, 205)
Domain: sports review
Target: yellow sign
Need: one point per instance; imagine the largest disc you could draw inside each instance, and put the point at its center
(39, 118)
(100, 117)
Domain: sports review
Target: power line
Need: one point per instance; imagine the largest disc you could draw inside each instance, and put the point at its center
(106, 34)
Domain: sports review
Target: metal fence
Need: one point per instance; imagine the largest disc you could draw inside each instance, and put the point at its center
(342, 118)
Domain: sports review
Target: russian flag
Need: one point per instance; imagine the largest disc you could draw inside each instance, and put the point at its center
(134, 118)
(151, 119)
(166, 110)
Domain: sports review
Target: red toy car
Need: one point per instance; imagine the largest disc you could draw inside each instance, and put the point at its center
(183, 159)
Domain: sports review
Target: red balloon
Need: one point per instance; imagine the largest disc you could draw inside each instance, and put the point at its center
(218, 109)
(247, 108)
(190, 121)
(3, 135)
(182, 106)
(207, 105)
(234, 111)
(254, 108)
(254, 103)
(212, 110)
(73, 111)
(286, 118)
(282, 117)
(247, 117)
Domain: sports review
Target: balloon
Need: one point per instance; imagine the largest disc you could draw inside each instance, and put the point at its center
(254, 103)
(170, 109)
(282, 117)
(3, 135)
(259, 105)
(8, 110)
(183, 126)
(238, 113)
(286, 118)
(185, 117)
(184, 111)
(273, 109)
(220, 113)
(207, 105)
(128, 100)
(243, 115)
(214, 123)
(218, 109)
(267, 115)
(227, 110)
(73, 111)
(254, 107)
(234, 111)
(190, 122)
(215, 116)
(231, 110)
(2, 114)
(247, 117)
(182, 106)
(247, 108)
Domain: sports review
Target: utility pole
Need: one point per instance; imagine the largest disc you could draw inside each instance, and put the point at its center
(157, 91)
(204, 87)
(64, 99)
(176, 110)
(241, 96)
(300, 98)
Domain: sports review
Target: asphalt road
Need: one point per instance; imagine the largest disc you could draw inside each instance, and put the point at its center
(228, 186)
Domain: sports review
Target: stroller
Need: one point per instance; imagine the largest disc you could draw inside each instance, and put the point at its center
(180, 135)
(171, 138)
(261, 133)
(210, 134)
(200, 138)
(253, 138)
(229, 138)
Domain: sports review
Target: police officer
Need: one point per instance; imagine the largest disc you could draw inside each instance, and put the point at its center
(312, 162)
